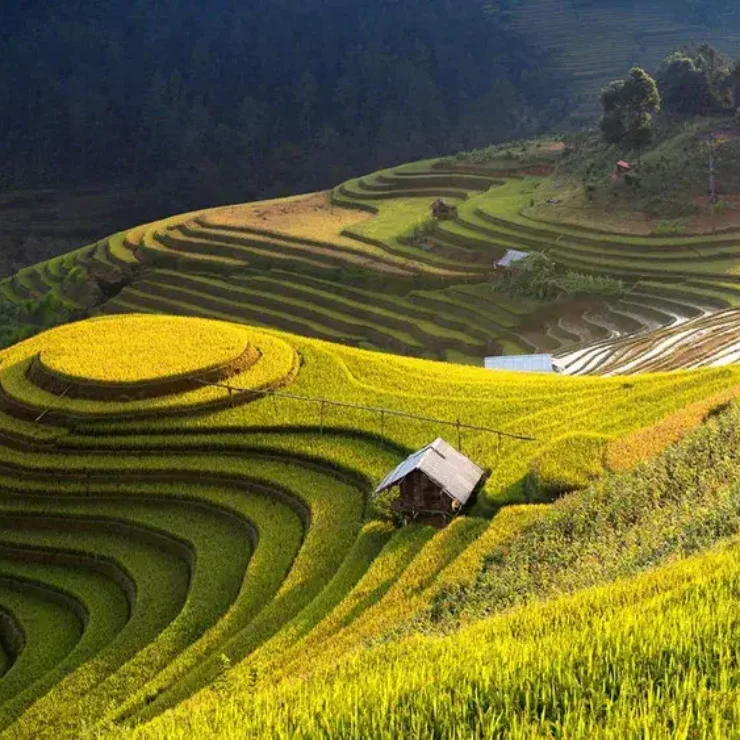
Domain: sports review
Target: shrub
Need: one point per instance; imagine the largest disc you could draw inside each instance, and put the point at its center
(670, 228)
(576, 283)
(570, 463)
(538, 276)
(422, 230)
(533, 277)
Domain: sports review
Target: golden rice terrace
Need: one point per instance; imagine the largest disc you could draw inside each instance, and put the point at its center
(190, 543)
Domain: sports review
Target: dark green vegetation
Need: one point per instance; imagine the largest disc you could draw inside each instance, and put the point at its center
(699, 82)
(667, 189)
(253, 104)
(593, 42)
(690, 83)
(537, 276)
(629, 105)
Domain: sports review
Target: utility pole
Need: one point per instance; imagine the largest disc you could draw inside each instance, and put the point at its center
(712, 173)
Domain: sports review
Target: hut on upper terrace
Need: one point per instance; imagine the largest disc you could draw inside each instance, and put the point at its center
(440, 210)
(512, 256)
(435, 483)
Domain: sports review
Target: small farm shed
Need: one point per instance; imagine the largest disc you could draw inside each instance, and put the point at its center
(441, 210)
(437, 481)
(522, 363)
(623, 166)
(511, 256)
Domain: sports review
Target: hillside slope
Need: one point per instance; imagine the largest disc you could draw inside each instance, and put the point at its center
(596, 42)
(129, 469)
(367, 266)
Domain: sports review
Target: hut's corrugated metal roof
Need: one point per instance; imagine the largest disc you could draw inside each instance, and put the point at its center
(511, 256)
(449, 469)
(521, 363)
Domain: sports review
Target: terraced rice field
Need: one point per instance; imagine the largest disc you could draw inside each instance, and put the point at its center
(366, 266)
(172, 534)
(709, 341)
(189, 542)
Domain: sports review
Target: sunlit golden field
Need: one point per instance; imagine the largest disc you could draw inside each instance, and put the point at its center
(234, 564)
(190, 542)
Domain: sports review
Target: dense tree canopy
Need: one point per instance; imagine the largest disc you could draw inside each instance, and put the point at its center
(255, 97)
(696, 82)
(628, 108)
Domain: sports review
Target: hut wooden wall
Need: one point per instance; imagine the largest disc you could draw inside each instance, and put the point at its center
(420, 494)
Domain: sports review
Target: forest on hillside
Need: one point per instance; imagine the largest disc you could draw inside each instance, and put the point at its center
(232, 101)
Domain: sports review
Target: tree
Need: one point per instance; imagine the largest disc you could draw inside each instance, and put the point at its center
(628, 107)
(735, 83)
(683, 86)
(696, 82)
(612, 124)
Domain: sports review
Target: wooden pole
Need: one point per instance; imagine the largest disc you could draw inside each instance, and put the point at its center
(459, 436)
(323, 411)
(373, 409)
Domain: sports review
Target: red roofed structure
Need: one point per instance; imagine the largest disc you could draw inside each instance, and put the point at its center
(623, 166)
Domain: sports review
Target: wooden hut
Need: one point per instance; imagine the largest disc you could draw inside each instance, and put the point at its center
(511, 256)
(440, 210)
(435, 482)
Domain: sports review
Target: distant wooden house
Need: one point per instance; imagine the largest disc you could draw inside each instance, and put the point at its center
(511, 256)
(440, 210)
(623, 167)
(435, 482)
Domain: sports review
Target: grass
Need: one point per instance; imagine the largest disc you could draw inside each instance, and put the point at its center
(543, 407)
(275, 366)
(322, 581)
(179, 592)
(296, 264)
(119, 351)
(157, 583)
(356, 579)
(53, 654)
(310, 217)
(632, 449)
(383, 600)
(647, 517)
(272, 597)
(50, 628)
(379, 577)
(570, 463)
(584, 665)
(279, 533)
